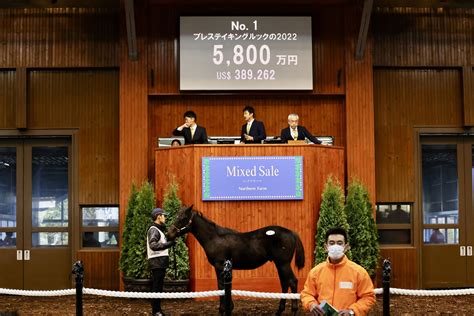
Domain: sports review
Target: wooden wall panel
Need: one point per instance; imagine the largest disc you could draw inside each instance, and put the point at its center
(86, 100)
(301, 216)
(404, 266)
(360, 142)
(328, 47)
(222, 115)
(328, 44)
(8, 98)
(22, 98)
(468, 95)
(133, 111)
(100, 269)
(163, 50)
(423, 37)
(58, 37)
(405, 98)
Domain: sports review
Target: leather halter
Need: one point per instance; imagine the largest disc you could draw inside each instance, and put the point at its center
(178, 230)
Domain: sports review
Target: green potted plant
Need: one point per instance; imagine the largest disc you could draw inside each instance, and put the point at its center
(177, 274)
(133, 258)
(331, 214)
(363, 237)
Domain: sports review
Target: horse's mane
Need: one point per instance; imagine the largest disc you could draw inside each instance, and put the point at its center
(219, 229)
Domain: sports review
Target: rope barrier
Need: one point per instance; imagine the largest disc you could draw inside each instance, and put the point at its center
(38, 293)
(431, 292)
(179, 295)
(290, 296)
(166, 295)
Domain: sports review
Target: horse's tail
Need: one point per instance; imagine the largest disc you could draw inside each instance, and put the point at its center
(299, 258)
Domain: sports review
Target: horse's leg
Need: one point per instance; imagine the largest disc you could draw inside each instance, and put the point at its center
(220, 285)
(283, 274)
(294, 289)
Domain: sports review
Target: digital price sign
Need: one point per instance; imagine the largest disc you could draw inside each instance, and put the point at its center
(246, 53)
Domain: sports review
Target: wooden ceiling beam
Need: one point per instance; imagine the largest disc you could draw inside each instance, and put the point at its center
(131, 30)
(59, 4)
(253, 2)
(364, 29)
(115, 3)
(425, 3)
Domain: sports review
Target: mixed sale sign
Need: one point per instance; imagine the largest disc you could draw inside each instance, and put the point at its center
(252, 178)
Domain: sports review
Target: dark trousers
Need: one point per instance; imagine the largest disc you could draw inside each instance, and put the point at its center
(158, 276)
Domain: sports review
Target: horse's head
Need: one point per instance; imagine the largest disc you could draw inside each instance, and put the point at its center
(183, 221)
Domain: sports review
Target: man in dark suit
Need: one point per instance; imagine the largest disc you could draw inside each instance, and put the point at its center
(253, 132)
(295, 132)
(192, 133)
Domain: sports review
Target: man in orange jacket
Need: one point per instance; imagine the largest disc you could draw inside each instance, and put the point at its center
(339, 281)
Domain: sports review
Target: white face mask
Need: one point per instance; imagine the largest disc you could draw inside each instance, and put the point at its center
(335, 252)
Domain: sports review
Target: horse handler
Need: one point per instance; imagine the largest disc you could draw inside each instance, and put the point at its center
(157, 251)
(342, 283)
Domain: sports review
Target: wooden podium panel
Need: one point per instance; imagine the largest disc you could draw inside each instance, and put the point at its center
(301, 216)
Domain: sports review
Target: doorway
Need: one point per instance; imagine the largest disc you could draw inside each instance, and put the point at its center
(35, 230)
(447, 211)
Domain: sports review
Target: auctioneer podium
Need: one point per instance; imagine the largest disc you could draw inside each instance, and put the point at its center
(301, 216)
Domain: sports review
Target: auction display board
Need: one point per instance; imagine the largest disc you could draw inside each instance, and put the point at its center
(246, 53)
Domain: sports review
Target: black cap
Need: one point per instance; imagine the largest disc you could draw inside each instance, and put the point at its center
(158, 211)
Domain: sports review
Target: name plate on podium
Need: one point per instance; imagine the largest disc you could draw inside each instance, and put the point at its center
(296, 142)
(252, 178)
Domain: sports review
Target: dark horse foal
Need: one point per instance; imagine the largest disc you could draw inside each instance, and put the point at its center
(246, 250)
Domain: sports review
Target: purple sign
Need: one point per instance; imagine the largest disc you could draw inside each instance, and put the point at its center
(252, 178)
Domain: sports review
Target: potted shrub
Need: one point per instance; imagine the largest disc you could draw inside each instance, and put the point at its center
(133, 258)
(331, 214)
(363, 236)
(177, 274)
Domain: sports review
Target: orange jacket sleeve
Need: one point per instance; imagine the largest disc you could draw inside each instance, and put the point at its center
(308, 295)
(365, 294)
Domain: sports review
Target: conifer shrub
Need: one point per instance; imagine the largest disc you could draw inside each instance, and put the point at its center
(331, 215)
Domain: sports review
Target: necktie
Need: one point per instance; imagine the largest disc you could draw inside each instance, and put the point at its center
(192, 131)
(248, 127)
(294, 133)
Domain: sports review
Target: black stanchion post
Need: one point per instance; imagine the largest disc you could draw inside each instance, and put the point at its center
(228, 287)
(78, 270)
(386, 270)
